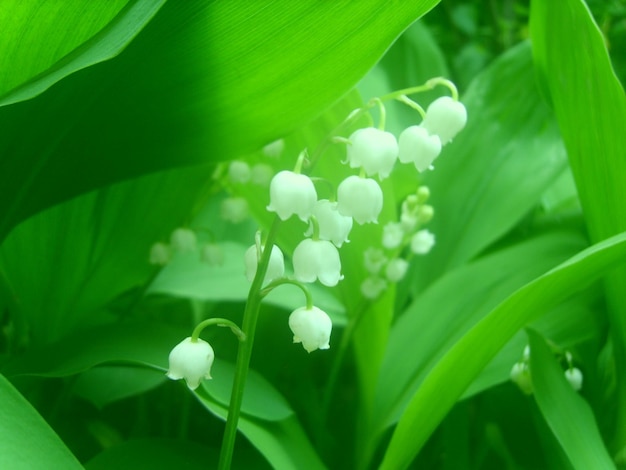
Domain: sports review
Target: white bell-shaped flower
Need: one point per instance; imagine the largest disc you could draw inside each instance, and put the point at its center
(274, 149)
(393, 234)
(292, 193)
(422, 242)
(332, 225)
(360, 198)
(160, 254)
(374, 259)
(261, 174)
(575, 378)
(374, 150)
(396, 269)
(317, 259)
(239, 172)
(212, 254)
(372, 287)
(192, 361)
(520, 375)
(234, 209)
(275, 268)
(419, 148)
(311, 327)
(445, 117)
(183, 240)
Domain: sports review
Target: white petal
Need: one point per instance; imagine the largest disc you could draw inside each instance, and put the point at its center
(417, 147)
(373, 150)
(445, 117)
(311, 327)
(360, 198)
(292, 193)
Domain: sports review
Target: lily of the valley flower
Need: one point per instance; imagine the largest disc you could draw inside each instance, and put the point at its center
(317, 259)
(422, 242)
(360, 198)
(192, 361)
(160, 254)
(393, 234)
(239, 172)
(332, 225)
(520, 375)
(374, 259)
(445, 117)
(234, 209)
(373, 150)
(396, 269)
(275, 268)
(575, 378)
(311, 327)
(418, 147)
(292, 193)
(183, 240)
(372, 287)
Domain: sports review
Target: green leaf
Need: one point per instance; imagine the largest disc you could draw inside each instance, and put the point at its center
(568, 415)
(456, 370)
(26, 440)
(203, 81)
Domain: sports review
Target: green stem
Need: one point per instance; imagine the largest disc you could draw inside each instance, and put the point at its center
(219, 322)
(279, 282)
(250, 317)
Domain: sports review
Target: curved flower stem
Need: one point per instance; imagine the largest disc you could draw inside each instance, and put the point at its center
(278, 282)
(219, 322)
(250, 317)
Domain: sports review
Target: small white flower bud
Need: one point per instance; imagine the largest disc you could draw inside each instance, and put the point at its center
(317, 259)
(445, 118)
(212, 254)
(183, 240)
(393, 234)
(360, 198)
(396, 269)
(374, 259)
(234, 210)
(422, 242)
(332, 225)
(425, 213)
(520, 375)
(372, 287)
(160, 254)
(419, 148)
(239, 172)
(261, 174)
(292, 193)
(575, 378)
(373, 150)
(275, 268)
(274, 149)
(408, 221)
(311, 327)
(192, 361)
(423, 194)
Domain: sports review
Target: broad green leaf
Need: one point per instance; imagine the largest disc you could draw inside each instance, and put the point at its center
(203, 81)
(497, 167)
(283, 443)
(26, 440)
(463, 362)
(568, 415)
(59, 38)
(95, 247)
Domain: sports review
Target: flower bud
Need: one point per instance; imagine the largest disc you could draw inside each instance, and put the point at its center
(183, 240)
(234, 209)
(317, 259)
(520, 375)
(192, 361)
(372, 287)
(311, 327)
(360, 198)
(239, 172)
(332, 225)
(419, 148)
(396, 269)
(292, 193)
(160, 254)
(393, 234)
(422, 242)
(373, 150)
(445, 117)
(275, 268)
(575, 378)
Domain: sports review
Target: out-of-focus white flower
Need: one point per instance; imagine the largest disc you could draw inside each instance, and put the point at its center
(261, 174)
(275, 268)
(317, 259)
(373, 150)
(372, 287)
(292, 193)
(239, 172)
(360, 198)
(422, 242)
(419, 148)
(274, 149)
(445, 117)
(520, 375)
(374, 259)
(396, 269)
(234, 209)
(183, 240)
(311, 327)
(192, 361)
(160, 254)
(212, 254)
(575, 378)
(393, 234)
(332, 225)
